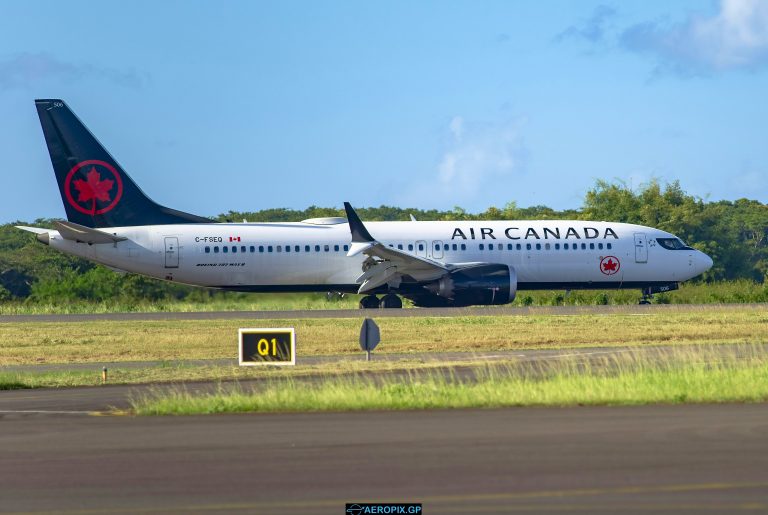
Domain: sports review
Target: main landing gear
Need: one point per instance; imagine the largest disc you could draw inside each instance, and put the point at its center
(388, 301)
(647, 297)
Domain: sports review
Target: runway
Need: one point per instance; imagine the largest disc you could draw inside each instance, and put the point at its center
(379, 313)
(659, 459)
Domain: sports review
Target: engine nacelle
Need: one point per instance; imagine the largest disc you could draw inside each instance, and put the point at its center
(476, 284)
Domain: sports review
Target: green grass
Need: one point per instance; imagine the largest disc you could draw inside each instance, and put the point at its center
(690, 376)
(740, 291)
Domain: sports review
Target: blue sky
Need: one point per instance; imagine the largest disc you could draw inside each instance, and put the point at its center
(218, 106)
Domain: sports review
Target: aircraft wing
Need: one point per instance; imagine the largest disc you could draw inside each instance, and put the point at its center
(386, 264)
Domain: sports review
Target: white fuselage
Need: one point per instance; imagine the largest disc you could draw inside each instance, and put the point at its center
(312, 256)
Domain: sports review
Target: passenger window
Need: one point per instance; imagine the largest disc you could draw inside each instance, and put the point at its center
(234, 249)
(437, 247)
(463, 246)
(557, 246)
(317, 248)
(600, 246)
(225, 249)
(287, 248)
(446, 247)
(421, 246)
(269, 248)
(391, 245)
(327, 248)
(346, 248)
(500, 246)
(296, 248)
(509, 246)
(216, 250)
(279, 248)
(518, 247)
(335, 248)
(538, 246)
(546, 246)
(609, 245)
(207, 250)
(565, 246)
(253, 249)
(528, 246)
(455, 247)
(592, 246)
(306, 248)
(261, 248)
(583, 246)
(242, 249)
(482, 247)
(400, 246)
(410, 246)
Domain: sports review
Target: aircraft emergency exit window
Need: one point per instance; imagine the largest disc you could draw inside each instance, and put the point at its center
(252, 249)
(336, 248)
(421, 246)
(261, 248)
(600, 246)
(317, 248)
(327, 248)
(482, 247)
(346, 248)
(463, 246)
(592, 246)
(410, 246)
(528, 246)
(207, 250)
(216, 250)
(306, 248)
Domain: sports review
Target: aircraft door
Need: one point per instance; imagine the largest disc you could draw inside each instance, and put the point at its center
(641, 248)
(437, 249)
(421, 248)
(171, 252)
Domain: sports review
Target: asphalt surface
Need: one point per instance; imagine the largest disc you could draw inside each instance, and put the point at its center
(660, 459)
(378, 313)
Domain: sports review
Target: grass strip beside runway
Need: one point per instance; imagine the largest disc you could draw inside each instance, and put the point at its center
(689, 376)
(25, 343)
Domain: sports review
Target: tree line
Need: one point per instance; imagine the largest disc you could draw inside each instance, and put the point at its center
(733, 233)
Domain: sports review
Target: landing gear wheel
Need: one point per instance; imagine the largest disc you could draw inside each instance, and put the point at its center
(647, 297)
(390, 300)
(644, 302)
(369, 302)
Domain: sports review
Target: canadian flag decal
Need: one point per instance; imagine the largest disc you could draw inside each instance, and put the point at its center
(234, 238)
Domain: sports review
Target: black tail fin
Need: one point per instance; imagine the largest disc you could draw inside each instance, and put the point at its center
(95, 190)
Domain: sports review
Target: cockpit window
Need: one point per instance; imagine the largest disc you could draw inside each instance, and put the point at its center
(672, 244)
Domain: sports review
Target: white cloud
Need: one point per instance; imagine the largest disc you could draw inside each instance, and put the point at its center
(24, 70)
(478, 164)
(736, 37)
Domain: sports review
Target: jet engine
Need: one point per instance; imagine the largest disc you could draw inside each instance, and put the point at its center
(474, 284)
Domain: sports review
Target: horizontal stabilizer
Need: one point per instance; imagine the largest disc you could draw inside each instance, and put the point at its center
(35, 230)
(82, 234)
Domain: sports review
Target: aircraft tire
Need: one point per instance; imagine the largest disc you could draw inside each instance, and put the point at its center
(391, 300)
(369, 302)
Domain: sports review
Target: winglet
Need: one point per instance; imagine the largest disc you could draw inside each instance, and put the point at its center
(359, 233)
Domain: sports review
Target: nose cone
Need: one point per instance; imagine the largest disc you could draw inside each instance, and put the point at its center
(703, 262)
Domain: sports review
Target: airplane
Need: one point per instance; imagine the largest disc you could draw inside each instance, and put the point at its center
(433, 263)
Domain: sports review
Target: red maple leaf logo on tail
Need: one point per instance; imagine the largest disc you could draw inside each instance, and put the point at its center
(94, 189)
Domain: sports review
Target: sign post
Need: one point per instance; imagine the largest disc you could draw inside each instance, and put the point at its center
(369, 337)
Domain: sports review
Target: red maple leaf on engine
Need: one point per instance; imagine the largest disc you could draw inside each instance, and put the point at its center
(95, 188)
(609, 266)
